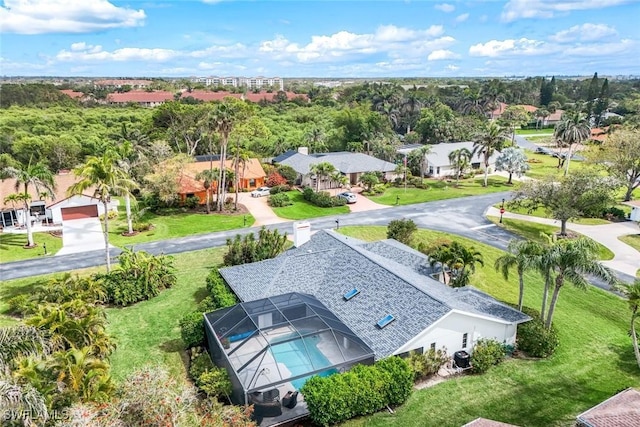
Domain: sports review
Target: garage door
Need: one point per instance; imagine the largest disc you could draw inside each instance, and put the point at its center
(79, 212)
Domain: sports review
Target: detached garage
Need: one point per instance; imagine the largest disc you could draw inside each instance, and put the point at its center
(78, 207)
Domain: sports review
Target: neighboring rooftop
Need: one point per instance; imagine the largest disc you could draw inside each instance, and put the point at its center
(391, 279)
(621, 410)
(439, 155)
(345, 162)
(483, 422)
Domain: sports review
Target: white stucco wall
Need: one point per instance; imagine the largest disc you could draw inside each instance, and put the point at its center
(635, 213)
(448, 332)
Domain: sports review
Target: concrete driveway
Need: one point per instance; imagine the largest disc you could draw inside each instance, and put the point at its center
(260, 209)
(81, 235)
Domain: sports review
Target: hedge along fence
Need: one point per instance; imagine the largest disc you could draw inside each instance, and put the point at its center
(360, 391)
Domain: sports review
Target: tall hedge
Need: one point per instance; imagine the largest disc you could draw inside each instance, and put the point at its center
(360, 391)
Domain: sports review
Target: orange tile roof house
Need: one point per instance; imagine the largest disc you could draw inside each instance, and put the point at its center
(252, 176)
(621, 410)
(140, 97)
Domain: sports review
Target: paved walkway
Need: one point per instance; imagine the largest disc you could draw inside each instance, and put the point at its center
(626, 259)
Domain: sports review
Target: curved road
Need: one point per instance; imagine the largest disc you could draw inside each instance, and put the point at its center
(463, 216)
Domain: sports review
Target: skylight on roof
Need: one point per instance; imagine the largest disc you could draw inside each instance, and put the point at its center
(385, 321)
(352, 293)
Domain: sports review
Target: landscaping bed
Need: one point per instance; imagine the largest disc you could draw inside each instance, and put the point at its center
(302, 209)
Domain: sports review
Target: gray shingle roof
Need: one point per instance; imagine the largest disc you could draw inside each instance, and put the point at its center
(391, 279)
(345, 162)
(439, 155)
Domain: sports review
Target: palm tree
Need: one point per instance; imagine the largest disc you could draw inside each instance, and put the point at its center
(489, 141)
(315, 139)
(632, 292)
(109, 180)
(523, 255)
(460, 161)
(241, 157)
(207, 177)
(572, 129)
(421, 154)
(570, 260)
(460, 260)
(38, 176)
(125, 160)
(321, 170)
(82, 373)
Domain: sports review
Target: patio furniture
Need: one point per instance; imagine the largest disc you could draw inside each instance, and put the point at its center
(271, 395)
(290, 400)
(263, 407)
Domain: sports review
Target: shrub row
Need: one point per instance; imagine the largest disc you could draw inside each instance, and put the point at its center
(139, 276)
(192, 324)
(360, 391)
(279, 189)
(428, 363)
(279, 200)
(212, 380)
(322, 199)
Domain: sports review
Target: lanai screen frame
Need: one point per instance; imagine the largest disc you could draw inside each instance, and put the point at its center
(293, 311)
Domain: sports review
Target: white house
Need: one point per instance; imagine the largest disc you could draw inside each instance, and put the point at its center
(78, 207)
(384, 291)
(635, 210)
(438, 163)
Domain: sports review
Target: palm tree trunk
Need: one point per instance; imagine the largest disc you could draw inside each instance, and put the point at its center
(106, 236)
(127, 203)
(486, 171)
(568, 160)
(552, 306)
(222, 183)
(545, 295)
(521, 295)
(27, 223)
(208, 189)
(236, 178)
(634, 337)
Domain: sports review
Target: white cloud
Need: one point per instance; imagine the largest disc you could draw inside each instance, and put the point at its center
(496, 48)
(62, 16)
(462, 18)
(445, 7)
(451, 67)
(440, 54)
(517, 9)
(584, 33)
(87, 53)
(603, 50)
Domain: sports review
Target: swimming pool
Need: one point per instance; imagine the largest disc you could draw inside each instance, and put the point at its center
(292, 354)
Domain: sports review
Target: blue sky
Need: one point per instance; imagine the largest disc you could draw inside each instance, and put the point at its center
(175, 38)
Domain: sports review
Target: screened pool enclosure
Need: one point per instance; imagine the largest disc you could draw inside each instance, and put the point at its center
(270, 342)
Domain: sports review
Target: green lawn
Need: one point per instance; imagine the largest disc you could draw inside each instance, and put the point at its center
(176, 224)
(441, 190)
(594, 361)
(632, 240)
(541, 213)
(534, 131)
(301, 209)
(532, 230)
(147, 332)
(546, 165)
(12, 246)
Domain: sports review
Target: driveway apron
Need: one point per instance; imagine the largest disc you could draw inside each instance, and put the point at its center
(81, 235)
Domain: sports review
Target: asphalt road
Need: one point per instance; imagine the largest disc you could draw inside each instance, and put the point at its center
(462, 216)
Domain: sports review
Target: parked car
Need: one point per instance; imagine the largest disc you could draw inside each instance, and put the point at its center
(348, 196)
(262, 191)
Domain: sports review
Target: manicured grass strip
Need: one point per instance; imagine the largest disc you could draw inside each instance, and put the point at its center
(532, 231)
(149, 332)
(541, 213)
(545, 165)
(632, 240)
(176, 225)
(594, 361)
(12, 246)
(301, 209)
(534, 131)
(441, 190)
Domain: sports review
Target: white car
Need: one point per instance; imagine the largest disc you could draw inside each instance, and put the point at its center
(348, 196)
(262, 191)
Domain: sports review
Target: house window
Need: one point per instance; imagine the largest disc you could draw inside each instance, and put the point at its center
(252, 183)
(464, 340)
(190, 195)
(475, 165)
(438, 171)
(433, 346)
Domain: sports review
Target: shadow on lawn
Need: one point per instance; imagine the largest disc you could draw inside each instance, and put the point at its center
(625, 358)
(11, 241)
(177, 346)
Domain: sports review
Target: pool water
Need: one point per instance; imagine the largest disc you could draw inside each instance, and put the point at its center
(292, 354)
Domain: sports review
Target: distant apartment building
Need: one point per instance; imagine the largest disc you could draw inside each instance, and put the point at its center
(249, 82)
(119, 83)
